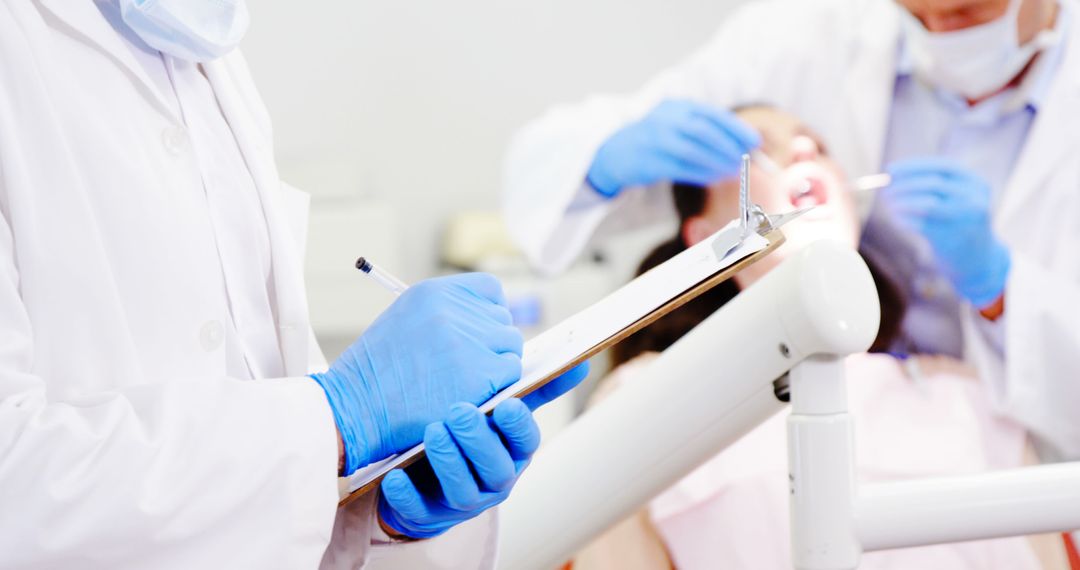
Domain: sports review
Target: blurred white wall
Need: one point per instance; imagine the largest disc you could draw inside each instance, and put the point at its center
(412, 102)
(404, 107)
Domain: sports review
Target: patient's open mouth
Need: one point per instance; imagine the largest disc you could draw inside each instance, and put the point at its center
(808, 191)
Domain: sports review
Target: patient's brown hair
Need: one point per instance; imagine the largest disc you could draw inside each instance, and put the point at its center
(689, 202)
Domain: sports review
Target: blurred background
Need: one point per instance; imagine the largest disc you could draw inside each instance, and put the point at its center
(395, 117)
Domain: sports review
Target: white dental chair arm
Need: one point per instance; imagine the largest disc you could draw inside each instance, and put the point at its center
(706, 391)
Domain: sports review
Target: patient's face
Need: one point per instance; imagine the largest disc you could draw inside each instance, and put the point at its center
(808, 177)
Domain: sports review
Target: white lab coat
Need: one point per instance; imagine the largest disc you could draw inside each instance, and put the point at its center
(122, 442)
(832, 63)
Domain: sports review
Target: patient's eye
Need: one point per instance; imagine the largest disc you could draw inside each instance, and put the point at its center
(769, 144)
(821, 148)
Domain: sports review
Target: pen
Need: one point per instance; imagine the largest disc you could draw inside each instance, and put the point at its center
(388, 282)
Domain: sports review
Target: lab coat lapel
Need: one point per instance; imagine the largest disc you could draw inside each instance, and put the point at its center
(1054, 136)
(86, 21)
(292, 314)
(868, 88)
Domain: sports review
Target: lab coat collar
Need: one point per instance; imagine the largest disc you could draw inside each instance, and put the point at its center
(869, 85)
(1036, 86)
(86, 20)
(1054, 135)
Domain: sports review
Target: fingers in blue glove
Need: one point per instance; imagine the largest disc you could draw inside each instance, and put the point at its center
(944, 167)
(472, 463)
(949, 206)
(935, 195)
(515, 422)
(433, 495)
(502, 339)
(505, 373)
(498, 313)
(484, 285)
(695, 163)
(557, 387)
(408, 511)
(913, 207)
(483, 448)
(443, 341)
(678, 140)
(935, 174)
(459, 488)
(714, 138)
(725, 121)
(703, 142)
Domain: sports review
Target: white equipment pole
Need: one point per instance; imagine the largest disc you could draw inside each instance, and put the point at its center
(821, 467)
(833, 522)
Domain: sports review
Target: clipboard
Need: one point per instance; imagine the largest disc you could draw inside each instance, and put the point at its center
(751, 249)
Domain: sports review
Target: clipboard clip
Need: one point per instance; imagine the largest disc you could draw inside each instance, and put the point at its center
(752, 218)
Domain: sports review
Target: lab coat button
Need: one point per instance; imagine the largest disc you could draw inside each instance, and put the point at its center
(211, 335)
(175, 140)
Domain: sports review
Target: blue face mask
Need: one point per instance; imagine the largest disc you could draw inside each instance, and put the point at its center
(193, 30)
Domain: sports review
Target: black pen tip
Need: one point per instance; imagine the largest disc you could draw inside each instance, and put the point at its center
(361, 264)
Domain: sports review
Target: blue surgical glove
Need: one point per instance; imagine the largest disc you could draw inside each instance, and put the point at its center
(444, 341)
(472, 464)
(678, 141)
(557, 387)
(950, 207)
(433, 495)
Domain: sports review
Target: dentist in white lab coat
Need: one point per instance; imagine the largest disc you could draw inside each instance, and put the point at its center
(883, 85)
(155, 404)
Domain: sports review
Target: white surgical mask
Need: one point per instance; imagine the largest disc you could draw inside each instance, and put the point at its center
(193, 30)
(976, 61)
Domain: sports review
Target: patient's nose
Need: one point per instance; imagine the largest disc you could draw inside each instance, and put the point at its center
(803, 149)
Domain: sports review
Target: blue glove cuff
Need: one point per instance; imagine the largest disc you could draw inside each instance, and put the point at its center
(355, 438)
(983, 292)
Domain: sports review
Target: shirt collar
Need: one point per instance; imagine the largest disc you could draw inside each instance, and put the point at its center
(1035, 87)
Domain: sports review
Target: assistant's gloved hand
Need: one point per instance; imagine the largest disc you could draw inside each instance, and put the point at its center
(950, 207)
(472, 464)
(444, 341)
(678, 141)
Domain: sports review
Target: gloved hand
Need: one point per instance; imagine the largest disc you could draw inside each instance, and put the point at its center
(472, 464)
(678, 141)
(950, 207)
(557, 387)
(444, 341)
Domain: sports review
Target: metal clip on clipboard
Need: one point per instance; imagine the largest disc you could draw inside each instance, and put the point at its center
(752, 219)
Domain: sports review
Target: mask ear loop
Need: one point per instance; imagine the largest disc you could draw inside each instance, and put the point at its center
(1044, 38)
(1012, 13)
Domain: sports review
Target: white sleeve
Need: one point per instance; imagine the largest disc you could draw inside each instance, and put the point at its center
(197, 473)
(546, 201)
(1033, 379)
(471, 545)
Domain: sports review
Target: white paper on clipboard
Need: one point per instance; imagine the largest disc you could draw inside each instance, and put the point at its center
(555, 348)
